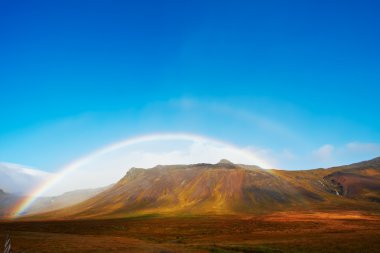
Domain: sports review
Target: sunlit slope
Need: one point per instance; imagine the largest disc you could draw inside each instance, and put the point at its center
(227, 188)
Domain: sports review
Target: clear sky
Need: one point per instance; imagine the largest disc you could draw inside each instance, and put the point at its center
(298, 81)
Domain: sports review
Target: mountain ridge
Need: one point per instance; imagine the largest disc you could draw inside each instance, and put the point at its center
(227, 188)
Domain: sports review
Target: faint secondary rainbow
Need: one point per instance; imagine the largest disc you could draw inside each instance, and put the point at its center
(26, 202)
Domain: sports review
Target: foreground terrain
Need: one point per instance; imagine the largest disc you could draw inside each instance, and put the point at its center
(221, 207)
(343, 231)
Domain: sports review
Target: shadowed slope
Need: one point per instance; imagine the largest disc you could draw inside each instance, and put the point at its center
(358, 180)
(7, 200)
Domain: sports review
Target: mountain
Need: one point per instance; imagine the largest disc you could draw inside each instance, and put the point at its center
(227, 188)
(20, 179)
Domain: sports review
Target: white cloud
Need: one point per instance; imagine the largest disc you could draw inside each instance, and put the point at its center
(363, 147)
(324, 153)
(329, 155)
(16, 178)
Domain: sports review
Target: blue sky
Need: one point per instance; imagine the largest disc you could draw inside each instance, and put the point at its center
(297, 80)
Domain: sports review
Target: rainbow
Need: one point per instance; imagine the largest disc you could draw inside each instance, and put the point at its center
(27, 201)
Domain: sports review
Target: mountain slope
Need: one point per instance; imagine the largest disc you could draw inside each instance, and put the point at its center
(227, 188)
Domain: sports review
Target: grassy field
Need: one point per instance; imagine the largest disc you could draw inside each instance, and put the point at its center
(280, 232)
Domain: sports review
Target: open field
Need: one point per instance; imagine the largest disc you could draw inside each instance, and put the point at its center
(343, 231)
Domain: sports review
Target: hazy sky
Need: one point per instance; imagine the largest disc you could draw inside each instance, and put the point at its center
(297, 81)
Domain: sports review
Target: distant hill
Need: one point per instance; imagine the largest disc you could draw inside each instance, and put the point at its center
(6, 202)
(227, 188)
(45, 204)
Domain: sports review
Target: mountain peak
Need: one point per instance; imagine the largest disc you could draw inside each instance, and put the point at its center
(225, 161)
(134, 172)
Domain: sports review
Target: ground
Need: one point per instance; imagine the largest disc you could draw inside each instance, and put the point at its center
(346, 231)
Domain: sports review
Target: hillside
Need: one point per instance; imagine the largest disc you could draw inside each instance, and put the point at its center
(7, 200)
(227, 188)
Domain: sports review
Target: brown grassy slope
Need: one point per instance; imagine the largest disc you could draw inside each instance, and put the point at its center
(226, 188)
